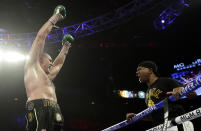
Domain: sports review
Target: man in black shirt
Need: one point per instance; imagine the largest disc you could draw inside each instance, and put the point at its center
(159, 88)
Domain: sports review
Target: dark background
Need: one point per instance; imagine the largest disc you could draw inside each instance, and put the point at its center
(91, 72)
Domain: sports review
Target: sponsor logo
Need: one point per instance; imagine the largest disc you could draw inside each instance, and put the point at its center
(30, 117)
(58, 117)
(191, 115)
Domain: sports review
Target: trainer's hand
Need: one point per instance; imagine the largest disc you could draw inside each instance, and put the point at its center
(191, 95)
(176, 92)
(129, 116)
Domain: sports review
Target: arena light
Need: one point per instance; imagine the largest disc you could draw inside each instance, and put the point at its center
(12, 56)
(1, 55)
(168, 16)
(163, 21)
(141, 94)
(126, 94)
(27, 57)
(130, 94)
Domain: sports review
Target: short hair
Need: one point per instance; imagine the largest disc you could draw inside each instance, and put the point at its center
(151, 65)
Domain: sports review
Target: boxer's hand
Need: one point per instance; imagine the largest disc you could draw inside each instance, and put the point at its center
(60, 9)
(68, 44)
(67, 39)
(129, 116)
(176, 92)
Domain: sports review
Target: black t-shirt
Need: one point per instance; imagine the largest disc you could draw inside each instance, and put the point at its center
(157, 92)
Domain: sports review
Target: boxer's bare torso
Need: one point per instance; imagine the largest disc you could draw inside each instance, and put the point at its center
(38, 84)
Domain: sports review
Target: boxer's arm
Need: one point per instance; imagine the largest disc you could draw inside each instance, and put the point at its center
(59, 61)
(38, 44)
(34, 54)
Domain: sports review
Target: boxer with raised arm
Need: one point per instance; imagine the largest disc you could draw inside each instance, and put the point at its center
(42, 111)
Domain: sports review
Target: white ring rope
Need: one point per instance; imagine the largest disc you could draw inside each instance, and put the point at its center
(179, 120)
